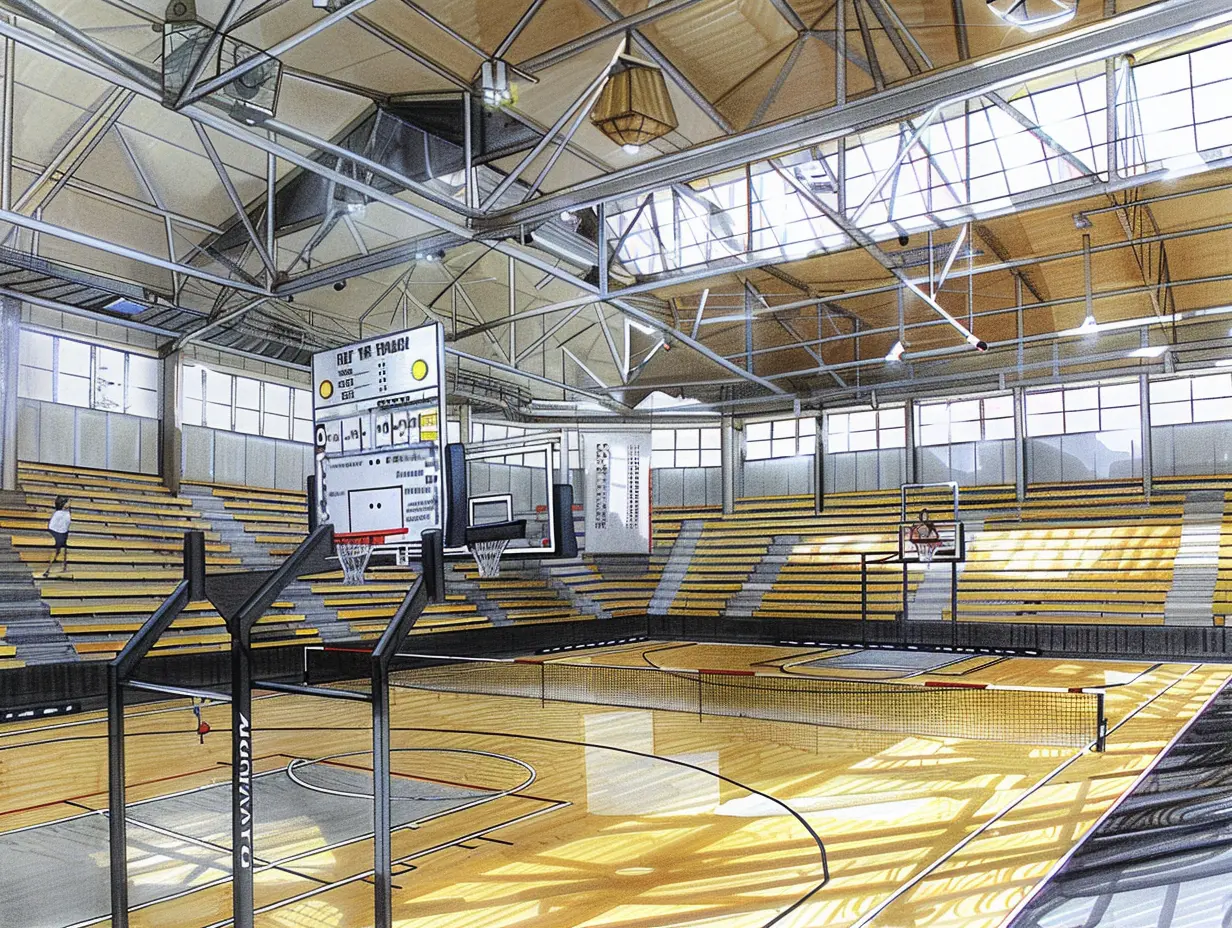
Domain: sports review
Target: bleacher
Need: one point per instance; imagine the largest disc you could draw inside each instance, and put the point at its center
(1223, 582)
(125, 557)
(1094, 553)
(1074, 554)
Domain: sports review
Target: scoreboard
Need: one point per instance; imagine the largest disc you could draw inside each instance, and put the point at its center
(379, 411)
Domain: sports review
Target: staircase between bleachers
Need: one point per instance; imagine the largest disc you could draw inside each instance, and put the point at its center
(28, 633)
(677, 566)
(582, 601)
(745, 603)
(931, 602)
(1191, 597)
(230, 530)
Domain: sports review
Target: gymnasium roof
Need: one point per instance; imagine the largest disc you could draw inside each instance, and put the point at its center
(856, 194)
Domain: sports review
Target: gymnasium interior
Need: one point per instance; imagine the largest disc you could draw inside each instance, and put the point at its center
(624, 463)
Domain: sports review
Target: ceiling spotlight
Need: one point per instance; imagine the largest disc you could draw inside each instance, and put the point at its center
(1082, 221)
(895, 353)
(977, 343)
(340, 285)
(904, 239)
(1151, 351)
(567, 216)
(630, 149)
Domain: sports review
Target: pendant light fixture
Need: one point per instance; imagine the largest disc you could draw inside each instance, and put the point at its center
(634, 107)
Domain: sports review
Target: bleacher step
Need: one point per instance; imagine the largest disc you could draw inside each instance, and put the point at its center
(677, 566)
(1190, 599)
(765, 573)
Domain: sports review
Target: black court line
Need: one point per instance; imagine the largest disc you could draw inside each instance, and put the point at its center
(543, 739)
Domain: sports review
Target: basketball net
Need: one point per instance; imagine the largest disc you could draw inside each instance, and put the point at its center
(353, 556)
(488, 555)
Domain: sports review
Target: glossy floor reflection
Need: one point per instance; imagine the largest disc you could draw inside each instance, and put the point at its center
(635, 817)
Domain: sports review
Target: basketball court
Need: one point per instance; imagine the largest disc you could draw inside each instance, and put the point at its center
(512, 810)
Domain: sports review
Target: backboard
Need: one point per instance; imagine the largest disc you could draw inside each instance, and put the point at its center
(946, 540)
(509, 481)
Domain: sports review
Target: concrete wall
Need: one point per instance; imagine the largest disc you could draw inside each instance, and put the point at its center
(865, 470)
(977, 463)
(686, 486)
(779, 477)
(1087, 456)
(1197, 448)
(49, 433)
(214, 456)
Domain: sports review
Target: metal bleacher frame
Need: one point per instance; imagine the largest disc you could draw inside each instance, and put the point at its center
(242, 598)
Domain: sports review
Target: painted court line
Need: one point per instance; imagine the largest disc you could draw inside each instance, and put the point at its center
(910, 884)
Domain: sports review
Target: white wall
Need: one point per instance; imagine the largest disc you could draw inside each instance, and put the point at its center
(1085, 456)
(49, 433)
(686, 486)
(1197, 448)
(977, 463)
(215, 456)
(779, 477)
(865, 470)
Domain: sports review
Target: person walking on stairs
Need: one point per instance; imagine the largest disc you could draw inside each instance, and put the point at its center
(59, 525)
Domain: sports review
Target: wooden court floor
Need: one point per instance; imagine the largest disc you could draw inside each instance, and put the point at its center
(633, 818)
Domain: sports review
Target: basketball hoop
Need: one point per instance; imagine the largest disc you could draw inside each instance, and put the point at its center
(488, 542)
(926, 548)
(488, 555)
(355, 548)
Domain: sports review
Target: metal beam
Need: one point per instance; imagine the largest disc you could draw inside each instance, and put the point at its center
(281, 48)
(1100, 40)
(80, 238)
(241, 211)
(598, 36)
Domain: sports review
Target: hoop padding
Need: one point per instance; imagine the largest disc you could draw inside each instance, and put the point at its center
(488, 555)
(353, 556)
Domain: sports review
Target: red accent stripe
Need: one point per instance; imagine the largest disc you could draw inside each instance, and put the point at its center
(530, 660)
(350, 650)
(730, 673)
(950, 685)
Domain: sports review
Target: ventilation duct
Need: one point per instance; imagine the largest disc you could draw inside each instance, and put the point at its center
(421, 138)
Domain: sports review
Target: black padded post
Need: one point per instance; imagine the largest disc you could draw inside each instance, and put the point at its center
(456, 514)
(312, 503)
(194, 564)
(434, 564)
(562, 514)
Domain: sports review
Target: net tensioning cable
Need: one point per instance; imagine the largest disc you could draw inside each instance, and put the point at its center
(1022, 715)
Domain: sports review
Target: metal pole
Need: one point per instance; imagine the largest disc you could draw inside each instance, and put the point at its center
(863, 588)
(6, 130)
(382, 815)
(116, 803)
(468, 154)
(1101, 724)
(241, 782)
(954, 603)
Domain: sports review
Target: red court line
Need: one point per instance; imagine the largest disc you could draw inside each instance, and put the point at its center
(955, 685)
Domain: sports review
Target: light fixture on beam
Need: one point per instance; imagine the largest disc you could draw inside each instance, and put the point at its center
(634, 107)
(895, 354)
(1034, 15)
(1150, 351)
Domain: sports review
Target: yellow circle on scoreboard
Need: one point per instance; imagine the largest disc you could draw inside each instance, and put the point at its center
(326, 389)
(419, 370)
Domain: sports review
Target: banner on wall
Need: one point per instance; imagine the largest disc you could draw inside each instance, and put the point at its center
(617, 467)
